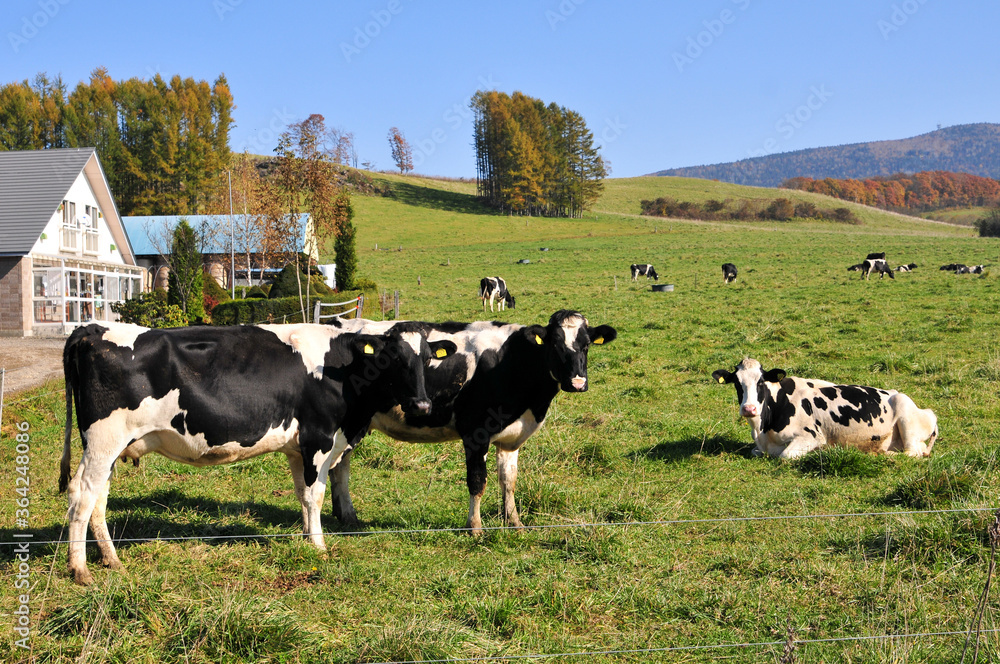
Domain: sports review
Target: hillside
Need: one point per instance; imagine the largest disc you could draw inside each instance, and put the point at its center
(971, 148)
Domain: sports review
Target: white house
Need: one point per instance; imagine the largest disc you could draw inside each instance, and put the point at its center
(64, 254)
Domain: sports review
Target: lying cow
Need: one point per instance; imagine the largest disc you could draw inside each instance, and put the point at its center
(970, 269)
(496, 390)
(495, 288)
(954, 267)
(876, 265)
(643, 270)
(728, 273)
(906, 268)
(793, 416)
(213, 395)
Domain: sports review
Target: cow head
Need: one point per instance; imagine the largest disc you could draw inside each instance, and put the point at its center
(393, 364)
(564, 344)
(652, 273)
(750, 380)
(509, 299)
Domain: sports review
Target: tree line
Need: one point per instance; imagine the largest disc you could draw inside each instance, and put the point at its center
(534, 159)
(161, 143)
(778, 209)
(912, 192)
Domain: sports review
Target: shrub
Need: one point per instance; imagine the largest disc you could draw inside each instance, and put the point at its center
(150, 310)
(844, 215)
(780, 209)
(250, 311)
(806, 210)
(285, 286)
(989, 226)
(255, 292)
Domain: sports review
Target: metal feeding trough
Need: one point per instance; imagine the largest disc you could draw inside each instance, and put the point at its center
(662, 288)
(523, 261)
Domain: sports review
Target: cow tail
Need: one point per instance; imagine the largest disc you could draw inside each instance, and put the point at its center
(70, 371)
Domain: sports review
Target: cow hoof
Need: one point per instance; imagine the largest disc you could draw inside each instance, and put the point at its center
(113, 564)
(82, 577)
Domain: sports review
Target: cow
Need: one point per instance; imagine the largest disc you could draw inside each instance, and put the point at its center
(876, 265)
(495, 390)
(857, 267)
(215, 395)
(643, 270)
(491, 288)
(954, 267)
(970, 269)
(876, 256)
(792, 416)
(906, 268)
(728, 273)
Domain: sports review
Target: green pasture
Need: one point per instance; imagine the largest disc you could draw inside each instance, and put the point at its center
(653, 440)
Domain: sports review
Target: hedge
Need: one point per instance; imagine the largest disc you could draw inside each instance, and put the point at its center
(282, 309)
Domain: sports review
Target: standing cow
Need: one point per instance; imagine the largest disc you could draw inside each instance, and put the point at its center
(879, 265)
(491, 288)
(208, 396)
(643, 270)
(793, 416)
(728, 273)
(495, 390)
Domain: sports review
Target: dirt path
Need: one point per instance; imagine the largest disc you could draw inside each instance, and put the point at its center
(29, 362)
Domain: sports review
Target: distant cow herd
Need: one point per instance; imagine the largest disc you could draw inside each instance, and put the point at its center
(217, 395)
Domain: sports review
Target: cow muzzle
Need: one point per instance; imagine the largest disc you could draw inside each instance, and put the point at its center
(423, 406)
(579, 383)
(749, 410)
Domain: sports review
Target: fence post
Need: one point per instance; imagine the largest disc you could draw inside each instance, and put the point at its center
(361, 305)
(395, 305)
(316, 312)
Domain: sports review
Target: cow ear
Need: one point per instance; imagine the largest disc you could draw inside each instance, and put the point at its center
(536, 334)
(368, 344)
(442, 349)
(602, 334)
(774, 375)
(723, 376)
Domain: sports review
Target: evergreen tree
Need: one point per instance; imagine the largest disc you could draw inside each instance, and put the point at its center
(186, 274)
(343, 247)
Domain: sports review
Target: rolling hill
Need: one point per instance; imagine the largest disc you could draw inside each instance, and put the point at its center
(970, 148)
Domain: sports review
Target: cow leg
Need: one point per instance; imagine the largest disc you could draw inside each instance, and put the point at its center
(507, 477)
(296, 466)
(798, 447)
(340, 481)
(99, 528)
(475, 478)
(85, 489)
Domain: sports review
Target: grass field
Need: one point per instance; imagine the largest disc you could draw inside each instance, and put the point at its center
(653, 440)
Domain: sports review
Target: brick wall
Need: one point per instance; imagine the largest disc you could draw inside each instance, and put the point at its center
(15, 296)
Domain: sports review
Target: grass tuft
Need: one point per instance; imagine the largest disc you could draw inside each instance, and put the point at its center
(841, 462)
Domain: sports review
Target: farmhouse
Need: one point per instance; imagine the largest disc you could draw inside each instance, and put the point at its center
(217, 233)
(64, 255)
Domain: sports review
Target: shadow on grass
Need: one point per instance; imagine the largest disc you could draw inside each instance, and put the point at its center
(436, 199)
(678, 450)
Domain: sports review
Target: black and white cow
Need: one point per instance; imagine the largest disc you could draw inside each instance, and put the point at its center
(856, 268)
(491, 288)
(954, 267)
(876, 256)
(906, 268)
(876, 265)
(208, 396)
(792, 416)
(970, 269)
(495, 390)
(643, 270)
(728, 272)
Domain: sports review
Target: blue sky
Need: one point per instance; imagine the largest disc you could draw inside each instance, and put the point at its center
(662, 84)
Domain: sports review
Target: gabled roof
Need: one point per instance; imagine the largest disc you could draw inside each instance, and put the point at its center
(32, 185)
(213, 227)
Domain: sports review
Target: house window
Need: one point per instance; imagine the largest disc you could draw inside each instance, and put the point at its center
(69, 237)
(90, 234)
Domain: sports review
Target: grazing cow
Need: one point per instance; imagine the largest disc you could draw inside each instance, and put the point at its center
(491, 288)
(954, 267)
(728, 272)
(208, 396)
(876, 265)
(496, 390)
(643, 270)
(906, 268)
(792, 416)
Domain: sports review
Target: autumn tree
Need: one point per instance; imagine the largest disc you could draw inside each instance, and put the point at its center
(402, 153)
(343, 246)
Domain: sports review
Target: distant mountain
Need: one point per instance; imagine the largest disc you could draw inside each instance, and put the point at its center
(970, 148)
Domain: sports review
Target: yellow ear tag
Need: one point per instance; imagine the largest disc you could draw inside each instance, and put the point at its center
(369, 350)
(721, 379)
(441, 352)
(538, 340)
(598, 341)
